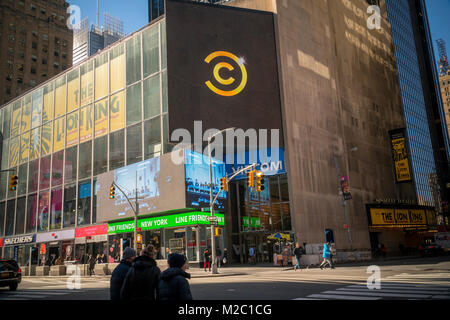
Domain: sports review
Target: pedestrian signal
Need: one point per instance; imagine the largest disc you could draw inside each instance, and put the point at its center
(260, 182)
(251, 179)
(112, 192)
(224, 184)
(13, 182)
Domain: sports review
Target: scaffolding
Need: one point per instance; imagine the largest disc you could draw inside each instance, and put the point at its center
(443, 58)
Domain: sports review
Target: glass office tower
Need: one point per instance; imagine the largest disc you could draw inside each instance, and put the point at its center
(106, 113)
(417, 125)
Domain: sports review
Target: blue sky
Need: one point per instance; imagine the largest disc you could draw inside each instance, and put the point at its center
(134, 14)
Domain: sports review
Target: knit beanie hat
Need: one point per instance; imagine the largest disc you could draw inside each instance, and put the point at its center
(176, 260)
(128, 253)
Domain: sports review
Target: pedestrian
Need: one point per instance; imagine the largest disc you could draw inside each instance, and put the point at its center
(173, 285)
(207, 261)
(225, 256)
(141, 281)
(120, 272)
(298, 251)
(91, 265)
(326, 256)
(251, 253)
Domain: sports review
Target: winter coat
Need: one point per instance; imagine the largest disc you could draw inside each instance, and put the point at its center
(298, 252)
(141, 282)
(207, 256)
(326, 251)
(173, 285)
(117, 279)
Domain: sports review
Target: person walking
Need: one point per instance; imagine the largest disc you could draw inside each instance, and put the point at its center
(173, 285)
(298, 251)
(120, 272)
(207, 257)
(326, 256)
(141, 282)
(91, 265)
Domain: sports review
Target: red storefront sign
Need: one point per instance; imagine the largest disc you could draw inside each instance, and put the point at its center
(91, 231)
(1, 242)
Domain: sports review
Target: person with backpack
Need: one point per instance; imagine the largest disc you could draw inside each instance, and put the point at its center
(298, 251)
(173, 285)
(141, 282)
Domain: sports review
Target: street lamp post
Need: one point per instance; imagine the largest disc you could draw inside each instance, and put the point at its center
(211, 204)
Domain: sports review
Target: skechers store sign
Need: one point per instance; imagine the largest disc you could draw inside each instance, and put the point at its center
(269, 161)
(176, 220)
(19, 240)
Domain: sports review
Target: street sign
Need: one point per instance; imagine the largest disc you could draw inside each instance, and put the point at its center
(211, 218)
(206, 209)
(214, 223)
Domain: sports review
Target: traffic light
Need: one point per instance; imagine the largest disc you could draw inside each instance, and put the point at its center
(112, 192)
(216, 231)
(224, 184)
(251, 180)
(13, 182)
(259, 182)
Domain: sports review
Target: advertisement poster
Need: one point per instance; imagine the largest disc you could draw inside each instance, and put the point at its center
(400, 156)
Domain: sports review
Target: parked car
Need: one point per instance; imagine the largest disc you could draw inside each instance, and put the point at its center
(10, 274)
(430, 249)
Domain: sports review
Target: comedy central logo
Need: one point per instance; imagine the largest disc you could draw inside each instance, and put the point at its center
(229, 82)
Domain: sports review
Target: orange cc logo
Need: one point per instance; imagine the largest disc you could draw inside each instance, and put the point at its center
(229, 81)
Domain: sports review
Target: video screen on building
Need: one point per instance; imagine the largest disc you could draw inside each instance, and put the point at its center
(159, 183)
(222, 68)
(198, 181)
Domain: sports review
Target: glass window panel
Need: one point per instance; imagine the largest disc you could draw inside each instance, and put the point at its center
(152, 136)
(276, 217)
(85, 165)
(6, 121)
(117, 111)
(33, 176)
(152, 101)
(163, 45)
(57, 168)
(150, 42)
(284, 188)
(44, 179)
(134, 144)
(117, 69)
(36, 109)
(35, 143)
(59, 133)
(71, 165)
(286, 216)
(87, 86)
(5, 156)
(43, 211)
(73, 90)
(14, 146)
(274, 190)
(86, 123)
(70, 209)
(4, 183)
(134, 59)
(116, 150)
(16, 118)
(47, 110)
(24, 147)
(9, 223)
(134, 104)
(164, 91)
(2, 219)
(72, 128)
(22, 183)
(56, 209)
(101, 118)
(84, 203)
(100, 155)
(31, 213)
(46, 138)
(1, 119)
(26, 114)
(101, 76)
(60, 97)
(167, 145)
(20, 215)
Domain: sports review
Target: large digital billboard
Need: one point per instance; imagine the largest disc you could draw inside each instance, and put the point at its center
(222, 68)
(159, 183)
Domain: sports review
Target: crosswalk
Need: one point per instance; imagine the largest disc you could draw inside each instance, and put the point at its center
(33, 294)
(426, 286)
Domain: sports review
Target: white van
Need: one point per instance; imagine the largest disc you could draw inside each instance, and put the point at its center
(443, 239)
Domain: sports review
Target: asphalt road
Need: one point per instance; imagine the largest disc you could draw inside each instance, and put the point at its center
(413, 279)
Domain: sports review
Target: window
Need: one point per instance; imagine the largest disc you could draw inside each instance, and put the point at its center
(57, 168)
(101, 118)
(134, 144)
(34, 45)
(116, 150)
(101, 76)
(20, 215)
(33, 70)
(56, 209)
(152, 138)
(72, 90)
(87, 86)
(33, 175)
(60, 96)
(100, 155)
(56, 65)
(31, 213)
(134, 104)
(33, 58)
(70, 167)
(43, 210)
(152, 101)
(117, 68)
(133, 59)
(22, 183)
(45, 173)
(117, 111)
(85, 165)
(84, 203)
(45, 37)
(9, 224)
(44, 61)
(70, 209)
(43, 11)
(150, 41)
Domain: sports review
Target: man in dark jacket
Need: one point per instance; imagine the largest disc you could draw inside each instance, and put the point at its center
(120, 272)
(173, 285)
(141, 282)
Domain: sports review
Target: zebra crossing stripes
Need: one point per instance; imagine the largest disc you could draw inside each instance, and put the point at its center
(30, 294)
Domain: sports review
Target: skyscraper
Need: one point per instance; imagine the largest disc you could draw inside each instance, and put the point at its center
(35, 44)
(428, 141)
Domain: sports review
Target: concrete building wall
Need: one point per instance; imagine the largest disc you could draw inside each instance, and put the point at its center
(340, 91)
